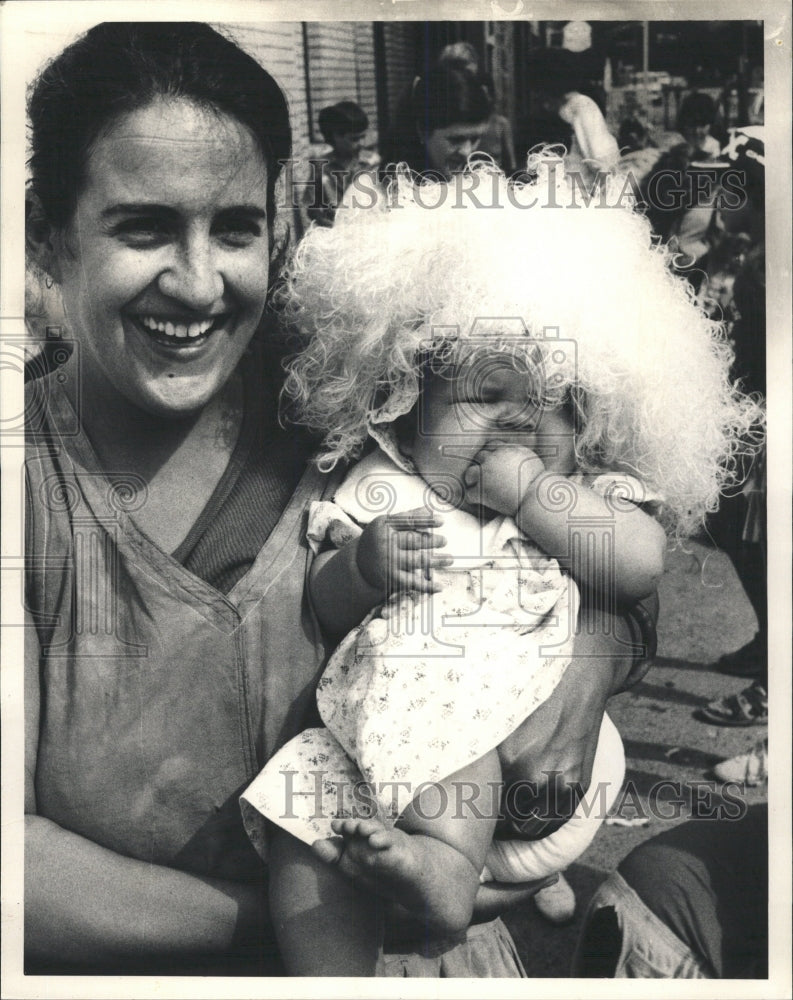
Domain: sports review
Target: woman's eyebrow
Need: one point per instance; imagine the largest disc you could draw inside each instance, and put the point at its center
(254, 211)
(138, 208)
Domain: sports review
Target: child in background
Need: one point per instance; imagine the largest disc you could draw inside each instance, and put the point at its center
(508, 398)
(343, 127)
(680, 190)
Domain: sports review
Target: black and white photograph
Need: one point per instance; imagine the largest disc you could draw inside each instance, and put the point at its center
(396, 471)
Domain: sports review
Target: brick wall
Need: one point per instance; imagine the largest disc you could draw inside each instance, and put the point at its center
(341, 67)
(278, 46)
(400, 60)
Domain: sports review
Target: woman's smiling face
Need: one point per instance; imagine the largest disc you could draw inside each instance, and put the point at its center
(164, 266)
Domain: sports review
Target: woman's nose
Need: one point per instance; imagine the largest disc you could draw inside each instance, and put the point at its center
(194, 276)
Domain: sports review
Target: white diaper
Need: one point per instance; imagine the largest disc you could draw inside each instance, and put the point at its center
(526, 860)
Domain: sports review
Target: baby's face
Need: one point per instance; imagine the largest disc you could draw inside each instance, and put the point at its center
(461, 411)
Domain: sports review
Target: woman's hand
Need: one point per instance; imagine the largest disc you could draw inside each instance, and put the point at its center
(558, 746)
(396, 552)
(493, 899)
(500, 474)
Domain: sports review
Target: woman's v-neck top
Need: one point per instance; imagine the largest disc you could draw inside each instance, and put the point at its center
(160, 695)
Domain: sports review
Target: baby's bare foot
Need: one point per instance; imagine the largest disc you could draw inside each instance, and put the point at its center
(427, 877)
(368, 851)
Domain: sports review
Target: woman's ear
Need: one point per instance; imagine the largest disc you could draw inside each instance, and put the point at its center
(40, 238)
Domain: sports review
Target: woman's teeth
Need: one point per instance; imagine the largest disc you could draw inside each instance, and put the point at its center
(180, 330)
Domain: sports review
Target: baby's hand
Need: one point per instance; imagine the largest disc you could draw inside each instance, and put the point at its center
(396, 551)
(499, 476)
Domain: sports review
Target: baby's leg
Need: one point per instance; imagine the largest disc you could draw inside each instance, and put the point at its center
(430, 863)
(325, 924)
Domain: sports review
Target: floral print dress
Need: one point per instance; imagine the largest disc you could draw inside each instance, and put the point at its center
(415, 696)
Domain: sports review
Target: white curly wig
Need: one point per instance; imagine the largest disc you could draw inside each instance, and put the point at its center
(501, 264)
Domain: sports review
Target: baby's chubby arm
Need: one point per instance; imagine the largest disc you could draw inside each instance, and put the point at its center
(394, 552)
(512, 480)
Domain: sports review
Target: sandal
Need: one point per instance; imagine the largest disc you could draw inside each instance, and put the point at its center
(747, 708)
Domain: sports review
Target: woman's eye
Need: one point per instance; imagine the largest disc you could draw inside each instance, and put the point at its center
(238, 232)
(142, 232)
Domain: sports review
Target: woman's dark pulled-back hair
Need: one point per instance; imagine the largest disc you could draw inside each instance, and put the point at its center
(117, 68)
(450, 94)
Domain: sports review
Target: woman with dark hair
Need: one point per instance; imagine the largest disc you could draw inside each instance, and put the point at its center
(440, 120)
(496, 140)
(171, 648)
(164, 504)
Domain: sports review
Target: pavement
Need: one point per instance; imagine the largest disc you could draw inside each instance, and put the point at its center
(704, 613)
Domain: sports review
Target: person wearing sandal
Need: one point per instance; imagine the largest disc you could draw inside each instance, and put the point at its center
(747, 708)
(740, 526)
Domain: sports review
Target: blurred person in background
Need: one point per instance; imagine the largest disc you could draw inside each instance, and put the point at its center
(739, 528)
(680, 190)
(343, 127)
(638, 151)
(440, 120)
(696, 122)
(497, 138)
(566, 115)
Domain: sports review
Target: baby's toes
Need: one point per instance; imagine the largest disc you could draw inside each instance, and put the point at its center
(382, 839)
(352, 827)
(329, 851)
(367, 828)
(359, 859)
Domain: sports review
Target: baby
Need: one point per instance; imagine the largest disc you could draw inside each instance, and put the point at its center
(535, 434)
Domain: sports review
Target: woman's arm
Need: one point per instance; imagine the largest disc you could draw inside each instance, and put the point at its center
(594, 139)
(87, 905)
